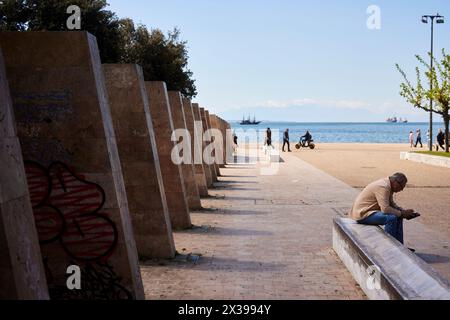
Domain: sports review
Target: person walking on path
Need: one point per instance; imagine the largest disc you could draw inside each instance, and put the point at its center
(418, 139)
(235, 142)
(286, 140)
(411, 139)
(440, 140)
(268, 138)
(375, 206)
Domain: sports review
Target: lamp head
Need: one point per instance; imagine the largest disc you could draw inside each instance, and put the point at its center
(439, 19)
(424, 19)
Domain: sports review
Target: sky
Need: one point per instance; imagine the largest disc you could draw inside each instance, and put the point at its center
(299, 60)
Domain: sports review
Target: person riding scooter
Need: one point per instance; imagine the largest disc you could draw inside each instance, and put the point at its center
(307, 137)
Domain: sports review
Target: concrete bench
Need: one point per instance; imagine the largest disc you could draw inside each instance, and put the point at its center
(382, 266)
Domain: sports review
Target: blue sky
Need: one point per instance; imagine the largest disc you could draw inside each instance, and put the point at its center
(298, 60)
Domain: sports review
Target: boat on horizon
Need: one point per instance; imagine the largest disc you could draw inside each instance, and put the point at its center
(395, 120)
(249, 122)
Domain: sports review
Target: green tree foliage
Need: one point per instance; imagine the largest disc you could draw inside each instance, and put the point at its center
(420, 97)
(38, 15)
(14, 14)
(163, 57)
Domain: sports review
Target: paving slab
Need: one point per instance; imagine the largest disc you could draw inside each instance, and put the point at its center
(260, 237)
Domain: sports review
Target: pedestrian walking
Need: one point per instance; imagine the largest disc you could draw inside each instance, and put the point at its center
(440, 140)
(418, 138)
(286, 140)
(411, 139)
(268, 141)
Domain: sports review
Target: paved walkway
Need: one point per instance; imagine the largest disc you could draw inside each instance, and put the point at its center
(260, 237)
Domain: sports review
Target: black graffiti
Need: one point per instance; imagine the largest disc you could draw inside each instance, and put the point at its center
(68, 210)
(98, 282)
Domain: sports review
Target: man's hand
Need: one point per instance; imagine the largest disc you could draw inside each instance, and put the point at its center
(409, 214)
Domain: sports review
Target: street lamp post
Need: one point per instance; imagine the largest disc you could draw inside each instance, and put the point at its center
(439, 19)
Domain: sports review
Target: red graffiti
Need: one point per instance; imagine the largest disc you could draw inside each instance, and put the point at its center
(67, 208)
(39, 183)
(50, 223)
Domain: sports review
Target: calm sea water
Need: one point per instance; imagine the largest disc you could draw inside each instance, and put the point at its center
(336, 132)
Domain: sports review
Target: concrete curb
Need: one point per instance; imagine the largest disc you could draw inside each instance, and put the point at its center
(425, 158)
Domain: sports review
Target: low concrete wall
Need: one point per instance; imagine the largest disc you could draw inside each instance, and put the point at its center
(382, 266)
(426, 158)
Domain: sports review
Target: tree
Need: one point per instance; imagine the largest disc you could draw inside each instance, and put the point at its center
(51, 15)
(163, 58)
(419, 97)
(14, 15)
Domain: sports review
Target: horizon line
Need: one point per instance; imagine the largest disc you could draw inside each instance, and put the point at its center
(286, 121)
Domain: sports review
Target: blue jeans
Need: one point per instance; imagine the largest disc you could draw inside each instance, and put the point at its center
(392, 224)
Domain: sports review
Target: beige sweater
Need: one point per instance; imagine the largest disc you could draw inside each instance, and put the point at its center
(377, 196)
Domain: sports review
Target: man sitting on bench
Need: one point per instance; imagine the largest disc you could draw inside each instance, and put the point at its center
(375, 206)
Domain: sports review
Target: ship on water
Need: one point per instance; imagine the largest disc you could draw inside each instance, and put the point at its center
(395, 120)
(249, 122)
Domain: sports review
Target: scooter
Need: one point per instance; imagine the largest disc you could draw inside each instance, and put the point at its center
(305, 144)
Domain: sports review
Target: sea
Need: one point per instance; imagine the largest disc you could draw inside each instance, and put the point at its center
(339, 132)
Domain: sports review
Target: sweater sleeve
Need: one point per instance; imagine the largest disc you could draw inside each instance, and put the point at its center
(384, 201)
(393, 204)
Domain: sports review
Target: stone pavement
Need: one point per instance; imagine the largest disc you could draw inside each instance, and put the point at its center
(427, 191)
(259, 237)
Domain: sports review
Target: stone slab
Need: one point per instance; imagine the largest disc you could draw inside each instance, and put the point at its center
(179, 122)
(212, 169)
(200, 176)
(171, 172)
(72, 163)
(216, 165)
(216, 124)
(22, 274)
(200, 134)
(139, 159)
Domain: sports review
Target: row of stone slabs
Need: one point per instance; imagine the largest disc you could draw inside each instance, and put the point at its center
(86, 177)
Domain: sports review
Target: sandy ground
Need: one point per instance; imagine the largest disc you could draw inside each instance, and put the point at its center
(428, 189)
